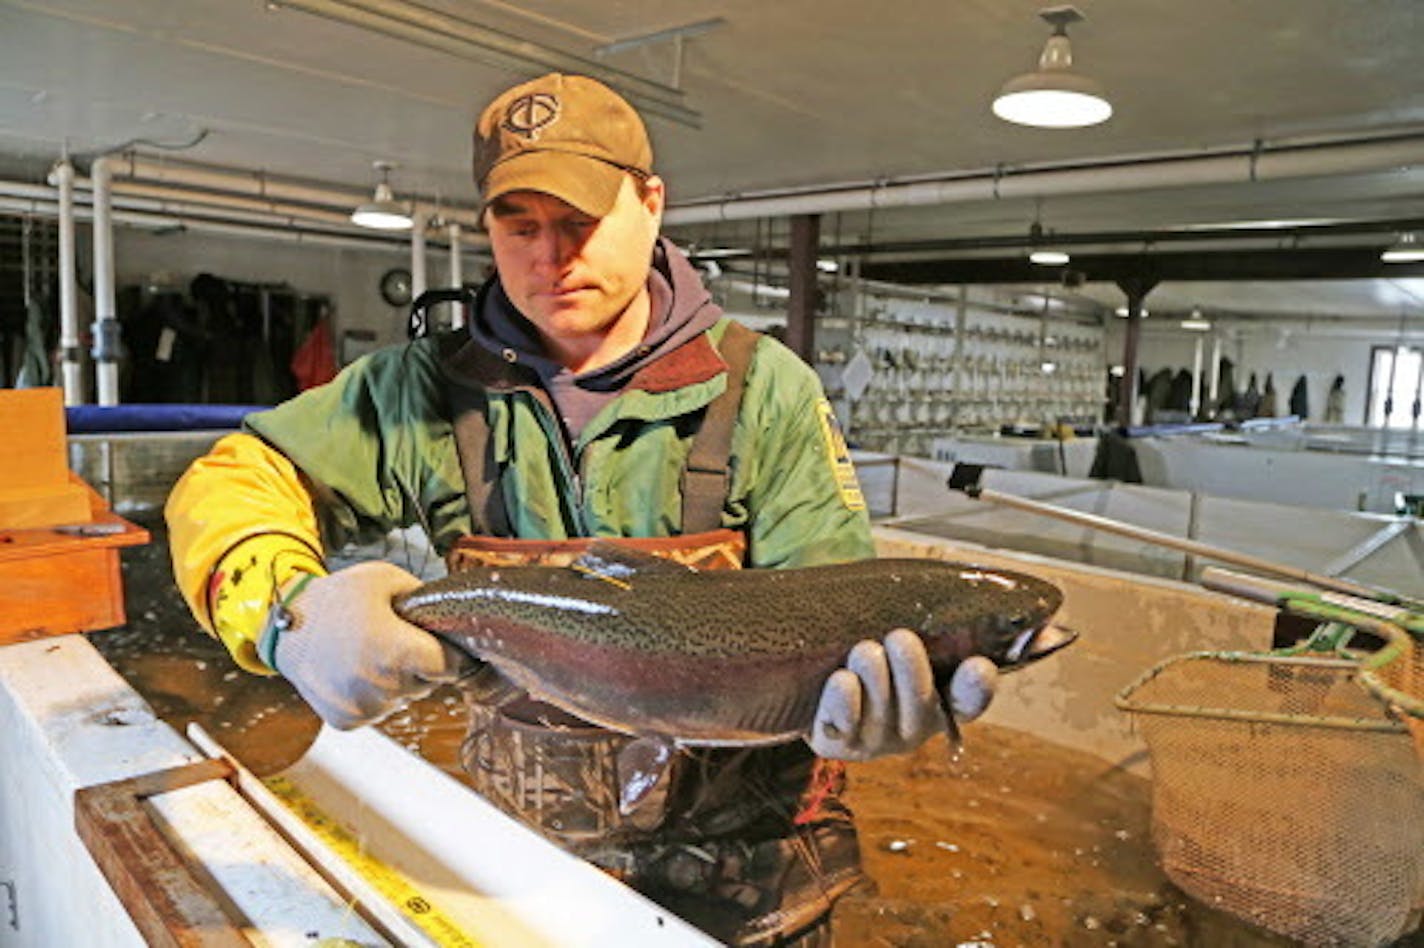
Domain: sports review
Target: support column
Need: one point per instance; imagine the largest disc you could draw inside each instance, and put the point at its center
(801, 306)
(1136, 289)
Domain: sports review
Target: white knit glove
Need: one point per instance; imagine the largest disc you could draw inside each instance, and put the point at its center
(884, 701)
(349, 655)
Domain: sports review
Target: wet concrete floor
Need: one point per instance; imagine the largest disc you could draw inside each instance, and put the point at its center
(1017, 842)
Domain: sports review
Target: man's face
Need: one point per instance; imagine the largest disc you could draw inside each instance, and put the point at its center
(573, 276)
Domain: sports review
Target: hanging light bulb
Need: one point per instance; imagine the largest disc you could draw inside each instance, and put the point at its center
(1044, 256)
(1054, 96)
(1404, 250)
(1197, 322)
(382, 212)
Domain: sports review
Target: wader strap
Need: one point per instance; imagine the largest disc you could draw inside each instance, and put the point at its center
(706, 477)
(469, 420)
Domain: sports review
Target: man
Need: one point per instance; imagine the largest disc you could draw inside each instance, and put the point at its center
(597, 393)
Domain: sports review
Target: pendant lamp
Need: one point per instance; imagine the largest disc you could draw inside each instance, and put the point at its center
(383, 211)
(1054, 96)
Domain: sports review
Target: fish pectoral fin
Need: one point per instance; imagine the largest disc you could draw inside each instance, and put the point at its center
(642, 765)
(613, 563)
(951, 725)
(485, 684)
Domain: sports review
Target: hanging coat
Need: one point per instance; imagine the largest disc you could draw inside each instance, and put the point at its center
(1335, 402)
(35, 368)
(1227, 397)
(1300, 399)
(314, 362)
(1250, 401)
(1268, 407)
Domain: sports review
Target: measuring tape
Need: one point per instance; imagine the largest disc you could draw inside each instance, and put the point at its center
(397, 889)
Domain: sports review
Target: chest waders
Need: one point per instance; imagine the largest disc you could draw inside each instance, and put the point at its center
(751, 844)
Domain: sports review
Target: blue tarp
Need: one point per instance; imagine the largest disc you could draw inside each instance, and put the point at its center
(89, 419)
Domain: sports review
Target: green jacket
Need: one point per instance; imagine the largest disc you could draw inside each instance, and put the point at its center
(377, 445)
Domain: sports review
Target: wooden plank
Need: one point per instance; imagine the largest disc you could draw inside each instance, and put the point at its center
(32, 422)
(170, 907)
(44, 506)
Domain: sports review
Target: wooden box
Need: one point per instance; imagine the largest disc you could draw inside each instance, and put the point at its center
(59, 542)
(53, 582)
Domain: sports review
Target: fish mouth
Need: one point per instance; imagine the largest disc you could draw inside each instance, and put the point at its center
(1039, 643)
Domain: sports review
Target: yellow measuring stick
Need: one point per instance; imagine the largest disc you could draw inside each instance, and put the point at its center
(402, 894)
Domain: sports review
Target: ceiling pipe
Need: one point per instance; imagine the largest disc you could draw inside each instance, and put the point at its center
(161, 200)
(260, 185)
(71, 370)
(49, 207)
(40, 199)
(1242, 165)
(1364, 232)
(181, 197)
(106, 321)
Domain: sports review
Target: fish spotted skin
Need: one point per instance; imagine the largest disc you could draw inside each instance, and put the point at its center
(721, 657)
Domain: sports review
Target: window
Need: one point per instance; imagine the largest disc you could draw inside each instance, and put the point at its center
(1395, 376)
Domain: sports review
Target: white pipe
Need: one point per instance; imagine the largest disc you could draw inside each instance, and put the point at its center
(1243, 165)
(418, 283)
(70, 366)
(106, 326)
(271, 210)
(190, 211)
(457, 275)
(1196, 379)
(50, 208)
(264, 186)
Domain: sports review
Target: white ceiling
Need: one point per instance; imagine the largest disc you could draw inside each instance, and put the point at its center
(791, 93)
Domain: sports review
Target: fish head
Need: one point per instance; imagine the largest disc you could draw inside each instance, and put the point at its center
(1003, 616)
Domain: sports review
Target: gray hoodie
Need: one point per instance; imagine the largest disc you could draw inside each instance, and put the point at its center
(681, 309)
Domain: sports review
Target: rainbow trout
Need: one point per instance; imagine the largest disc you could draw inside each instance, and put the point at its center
(647, 647)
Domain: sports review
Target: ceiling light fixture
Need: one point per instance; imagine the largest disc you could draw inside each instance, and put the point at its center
(1054, 96)
(1044, 256)
(1404, 250)
(382, 212)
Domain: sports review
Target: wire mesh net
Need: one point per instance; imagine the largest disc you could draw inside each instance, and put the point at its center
(1286, 793)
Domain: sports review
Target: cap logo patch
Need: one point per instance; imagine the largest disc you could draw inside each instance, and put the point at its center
(530, 114)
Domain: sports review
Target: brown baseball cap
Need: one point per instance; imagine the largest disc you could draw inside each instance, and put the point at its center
(568, 136)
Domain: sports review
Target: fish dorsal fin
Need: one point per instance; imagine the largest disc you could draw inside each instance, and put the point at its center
(615, 563)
